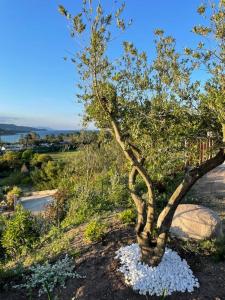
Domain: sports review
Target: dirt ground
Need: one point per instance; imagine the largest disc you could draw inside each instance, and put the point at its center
(103, 282)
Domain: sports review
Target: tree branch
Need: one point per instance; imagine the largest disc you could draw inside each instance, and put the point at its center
(190, 178)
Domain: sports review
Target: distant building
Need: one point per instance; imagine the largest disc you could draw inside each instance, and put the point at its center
(3, 206)
(12, 147)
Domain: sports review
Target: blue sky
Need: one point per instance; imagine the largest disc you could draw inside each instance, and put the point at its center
(37, 87)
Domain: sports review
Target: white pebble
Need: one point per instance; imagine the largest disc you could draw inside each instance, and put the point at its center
(172, 274)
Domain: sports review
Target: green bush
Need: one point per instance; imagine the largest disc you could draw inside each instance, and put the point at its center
(48, 176)
(12, 159)
(39, 159)
(14, 178)
(26, 180)
(27, 155)
(127, 216)
(94, 231)
(15, 192)
(85, 204)
(118, 192)
(20, 233)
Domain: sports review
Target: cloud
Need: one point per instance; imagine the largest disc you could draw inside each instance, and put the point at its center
(73, 122)
(52, 122)
(7, 119)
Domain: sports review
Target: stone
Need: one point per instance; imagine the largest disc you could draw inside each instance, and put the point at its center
(195, 222)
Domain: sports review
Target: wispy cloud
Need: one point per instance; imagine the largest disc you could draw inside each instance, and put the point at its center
(52, 122)
(7, 119)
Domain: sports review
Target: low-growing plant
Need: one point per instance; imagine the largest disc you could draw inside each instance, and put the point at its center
(127, 216)
(94, 231)
(213, 248)
(46, 277)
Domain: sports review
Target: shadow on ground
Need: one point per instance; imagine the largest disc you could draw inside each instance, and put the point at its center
(103, 282)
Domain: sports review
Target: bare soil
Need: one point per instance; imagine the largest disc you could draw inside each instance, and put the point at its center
(103, 281)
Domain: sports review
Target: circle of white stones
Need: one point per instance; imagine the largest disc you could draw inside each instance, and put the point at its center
(172, 274)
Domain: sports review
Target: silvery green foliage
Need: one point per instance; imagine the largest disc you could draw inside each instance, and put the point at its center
(172, 275)
(46, 277)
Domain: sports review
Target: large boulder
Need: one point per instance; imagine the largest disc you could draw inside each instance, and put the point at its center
(195, 222)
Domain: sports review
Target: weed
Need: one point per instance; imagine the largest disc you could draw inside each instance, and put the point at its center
(94, 231)
(127, 216)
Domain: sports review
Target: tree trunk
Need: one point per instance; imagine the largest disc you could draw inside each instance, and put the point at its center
(153, 248)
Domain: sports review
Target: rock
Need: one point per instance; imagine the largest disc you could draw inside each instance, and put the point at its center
(195, 222)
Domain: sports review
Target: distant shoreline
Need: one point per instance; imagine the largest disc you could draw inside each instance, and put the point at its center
(8, 132)
(14, 137)
(11, 129)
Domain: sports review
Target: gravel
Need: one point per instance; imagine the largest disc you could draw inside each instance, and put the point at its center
(172, 275)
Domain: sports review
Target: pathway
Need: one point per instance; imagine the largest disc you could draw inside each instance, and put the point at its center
(210, 190)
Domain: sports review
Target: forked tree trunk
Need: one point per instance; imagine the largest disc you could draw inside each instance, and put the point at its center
(153, 246)
(154, 255)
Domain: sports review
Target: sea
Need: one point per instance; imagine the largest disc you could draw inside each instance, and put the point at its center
(14, 138)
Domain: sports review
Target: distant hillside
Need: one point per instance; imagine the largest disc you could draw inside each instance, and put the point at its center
(12, 129)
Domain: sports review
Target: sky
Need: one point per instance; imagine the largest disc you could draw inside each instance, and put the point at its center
(37, 86)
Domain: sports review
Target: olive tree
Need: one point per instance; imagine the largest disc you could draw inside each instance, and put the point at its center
(149, 105)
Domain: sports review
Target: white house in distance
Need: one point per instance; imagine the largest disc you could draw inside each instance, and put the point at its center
(13, 147)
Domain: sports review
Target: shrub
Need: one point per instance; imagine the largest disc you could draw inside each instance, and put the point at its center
(46, 277)
(27, 155)
(94, 231)
(14, 178)
(48, 175)
(127, 216)
(12, 159)
(84, 205)
(118, 190)
(26, 180)
(20, 233)
(39, 159)
(11, 195)
(56, 210)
